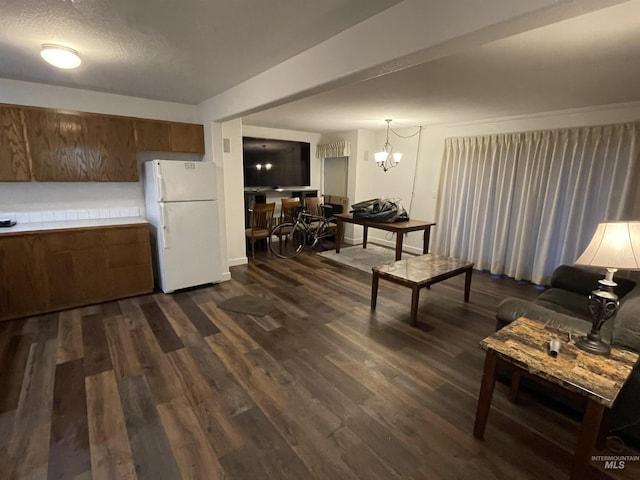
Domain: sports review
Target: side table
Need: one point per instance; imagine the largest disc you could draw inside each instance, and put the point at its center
(523, 345)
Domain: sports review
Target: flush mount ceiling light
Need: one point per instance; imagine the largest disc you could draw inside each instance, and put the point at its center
(59, 56)
(387, 158)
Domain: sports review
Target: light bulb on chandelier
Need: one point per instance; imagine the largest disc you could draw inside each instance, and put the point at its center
(387, 158)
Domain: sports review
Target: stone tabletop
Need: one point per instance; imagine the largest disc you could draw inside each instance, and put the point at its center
(525, 343)
(422, 268)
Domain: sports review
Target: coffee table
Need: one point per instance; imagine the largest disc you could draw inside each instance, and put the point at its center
(420, 272)
(523, 345)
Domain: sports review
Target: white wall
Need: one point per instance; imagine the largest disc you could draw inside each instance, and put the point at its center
(35, 94)
(234, 193)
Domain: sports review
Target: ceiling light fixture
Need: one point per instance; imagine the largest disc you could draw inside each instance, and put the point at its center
(59, 56)
(387, 158)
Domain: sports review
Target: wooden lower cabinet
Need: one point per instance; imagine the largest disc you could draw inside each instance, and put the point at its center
(57, 269)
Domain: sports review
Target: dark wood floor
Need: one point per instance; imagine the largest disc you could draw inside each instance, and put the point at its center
(170, 386)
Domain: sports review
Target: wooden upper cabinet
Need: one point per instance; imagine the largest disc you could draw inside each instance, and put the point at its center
(14, 155)
(161, 136)
(80, 147)
(187, 137)
(47, 145)
(58, 146)
(152, 135)
(111, 147)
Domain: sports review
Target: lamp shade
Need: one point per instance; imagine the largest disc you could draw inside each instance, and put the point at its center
(614, 245)
(381, 156)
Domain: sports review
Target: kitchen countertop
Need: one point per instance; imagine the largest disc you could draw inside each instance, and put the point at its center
(29, 227)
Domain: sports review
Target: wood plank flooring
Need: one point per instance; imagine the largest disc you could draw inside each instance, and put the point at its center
(170, 386)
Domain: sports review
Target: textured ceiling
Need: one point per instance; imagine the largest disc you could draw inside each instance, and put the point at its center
(175, 50)
(585, 61)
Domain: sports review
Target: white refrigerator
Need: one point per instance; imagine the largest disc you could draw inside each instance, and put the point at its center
(182, 209)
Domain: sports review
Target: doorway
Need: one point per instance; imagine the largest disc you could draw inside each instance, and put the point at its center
(335, 175)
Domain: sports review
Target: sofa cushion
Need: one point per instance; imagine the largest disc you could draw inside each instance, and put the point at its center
(581, 280)
(626, 324)
(512, 308)
(564, 301)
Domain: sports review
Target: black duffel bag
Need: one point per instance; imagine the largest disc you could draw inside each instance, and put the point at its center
(377, 210)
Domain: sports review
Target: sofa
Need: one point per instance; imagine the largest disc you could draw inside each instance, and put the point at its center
(565, 305)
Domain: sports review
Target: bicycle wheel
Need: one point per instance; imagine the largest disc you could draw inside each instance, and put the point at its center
(287, 240)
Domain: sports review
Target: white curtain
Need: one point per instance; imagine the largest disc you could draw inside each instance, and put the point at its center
(521, 204)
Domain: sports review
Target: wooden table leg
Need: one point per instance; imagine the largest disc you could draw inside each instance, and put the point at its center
(415, 297)
(399, 239)
(467, 284)
(339, 233)
(601, 441)
(514, 388)
(425, 240)
(486, 394)
(587, 439)
(374, 289)
(365, 234)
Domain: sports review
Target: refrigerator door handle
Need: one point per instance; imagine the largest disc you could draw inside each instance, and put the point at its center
(163, 226)
(160, 185)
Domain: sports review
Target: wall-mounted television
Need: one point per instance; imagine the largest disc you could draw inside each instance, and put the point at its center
(276, 163)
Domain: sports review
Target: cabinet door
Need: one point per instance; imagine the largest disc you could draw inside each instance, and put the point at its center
(57, 145)
(152, 135)
(23, 283)
(14, 156)
(76, 268)
(128, 257)
(187, 137)
(110, 144)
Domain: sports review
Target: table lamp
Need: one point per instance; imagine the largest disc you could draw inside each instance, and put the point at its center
(614, 246)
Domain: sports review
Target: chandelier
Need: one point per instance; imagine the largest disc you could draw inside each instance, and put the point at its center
(387, 158)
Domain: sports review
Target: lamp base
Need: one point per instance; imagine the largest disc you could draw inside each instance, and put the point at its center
(597, 347)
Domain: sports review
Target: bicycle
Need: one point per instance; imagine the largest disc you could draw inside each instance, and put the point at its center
(288, 239)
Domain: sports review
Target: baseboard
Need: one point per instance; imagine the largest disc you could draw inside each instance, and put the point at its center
(233, 262)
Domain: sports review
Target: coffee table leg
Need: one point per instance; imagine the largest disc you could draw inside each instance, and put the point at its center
(399, 239)
(425, 240)
(587, 439)
(467, 284)
(415, 297)
(339, 233)
(374, 289)
(486, 394)
(365, 234)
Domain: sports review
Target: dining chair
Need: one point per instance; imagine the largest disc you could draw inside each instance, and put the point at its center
(287, 211)
(262, 215)
(315, 207)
